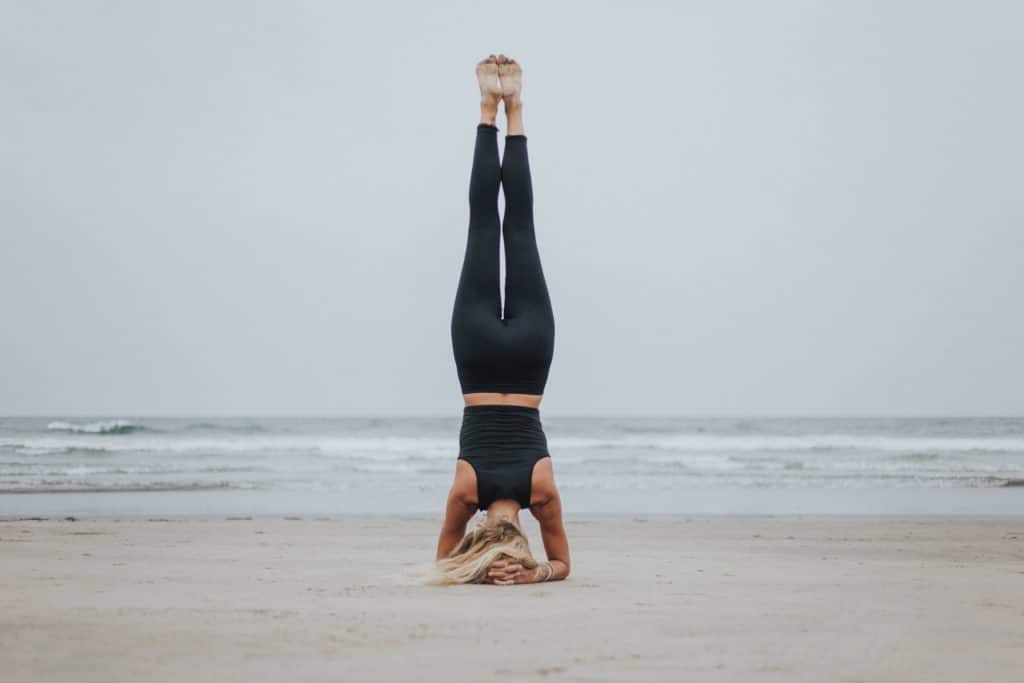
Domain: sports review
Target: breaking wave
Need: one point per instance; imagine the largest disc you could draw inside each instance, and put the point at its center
(104, 427)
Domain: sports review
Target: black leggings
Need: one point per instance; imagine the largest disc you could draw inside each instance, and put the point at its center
(510, 354)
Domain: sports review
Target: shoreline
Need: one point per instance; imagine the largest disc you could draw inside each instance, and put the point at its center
(387, 501)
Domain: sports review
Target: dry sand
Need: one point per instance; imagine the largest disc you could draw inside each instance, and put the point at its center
(650, 599)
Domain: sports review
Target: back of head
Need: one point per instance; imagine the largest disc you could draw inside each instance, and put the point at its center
(469, 560)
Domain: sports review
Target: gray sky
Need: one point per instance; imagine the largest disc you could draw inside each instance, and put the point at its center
(742, 207)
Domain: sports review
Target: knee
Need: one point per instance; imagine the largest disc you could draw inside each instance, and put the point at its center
(483, 194)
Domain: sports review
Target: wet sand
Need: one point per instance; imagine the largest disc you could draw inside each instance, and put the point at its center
(720, 598)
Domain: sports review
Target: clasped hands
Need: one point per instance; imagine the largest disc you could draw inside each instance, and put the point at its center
(511, 572)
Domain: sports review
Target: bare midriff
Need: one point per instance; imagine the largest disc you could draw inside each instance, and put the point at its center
(495, 399)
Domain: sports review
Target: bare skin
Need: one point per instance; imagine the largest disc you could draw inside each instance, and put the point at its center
(490, 89)
(489, 399)
(511, 76)
(500, 80)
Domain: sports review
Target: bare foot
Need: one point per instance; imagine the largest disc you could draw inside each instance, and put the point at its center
(511, 76)
(490, 87)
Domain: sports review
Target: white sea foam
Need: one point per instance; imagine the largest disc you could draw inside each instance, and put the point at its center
(106, 427)
(810, 442)
(432, 446)
(325, 445)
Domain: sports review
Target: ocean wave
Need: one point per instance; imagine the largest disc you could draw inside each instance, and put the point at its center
(104, 427)
(60, 486)
(226, 428)
(808, 442)
(326, 446)
(119, 436)
(918, 456)
(755, 480)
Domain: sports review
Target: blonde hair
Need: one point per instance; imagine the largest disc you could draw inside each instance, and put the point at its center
(469, 560)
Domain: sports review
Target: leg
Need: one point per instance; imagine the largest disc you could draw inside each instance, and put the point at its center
(526, 291)
(477, 308)
(491, 353)
(479, 281)
(478, 284)
(528, 312)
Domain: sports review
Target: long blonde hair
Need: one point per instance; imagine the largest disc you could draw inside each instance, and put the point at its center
(469, 560)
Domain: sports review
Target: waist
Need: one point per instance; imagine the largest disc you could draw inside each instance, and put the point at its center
(501, 428)
(481, 398)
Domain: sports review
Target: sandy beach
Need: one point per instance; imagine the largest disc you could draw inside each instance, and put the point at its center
(650, 599)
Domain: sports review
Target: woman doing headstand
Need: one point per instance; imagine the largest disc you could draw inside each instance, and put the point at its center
(503, 363)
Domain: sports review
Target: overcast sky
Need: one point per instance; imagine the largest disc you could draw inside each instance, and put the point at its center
(742, 207)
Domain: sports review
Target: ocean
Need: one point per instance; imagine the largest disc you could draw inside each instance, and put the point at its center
(602, 465)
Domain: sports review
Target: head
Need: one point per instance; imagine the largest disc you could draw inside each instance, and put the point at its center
(469, 560)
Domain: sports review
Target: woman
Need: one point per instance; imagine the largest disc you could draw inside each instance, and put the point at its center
(503, 362)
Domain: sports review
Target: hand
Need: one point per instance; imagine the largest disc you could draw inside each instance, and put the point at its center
(510, 572)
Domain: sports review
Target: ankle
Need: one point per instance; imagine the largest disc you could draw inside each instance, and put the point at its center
(514, 118)
(488, 112)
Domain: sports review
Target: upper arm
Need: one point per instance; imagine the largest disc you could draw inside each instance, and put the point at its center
(546, 507)
(459, 508)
